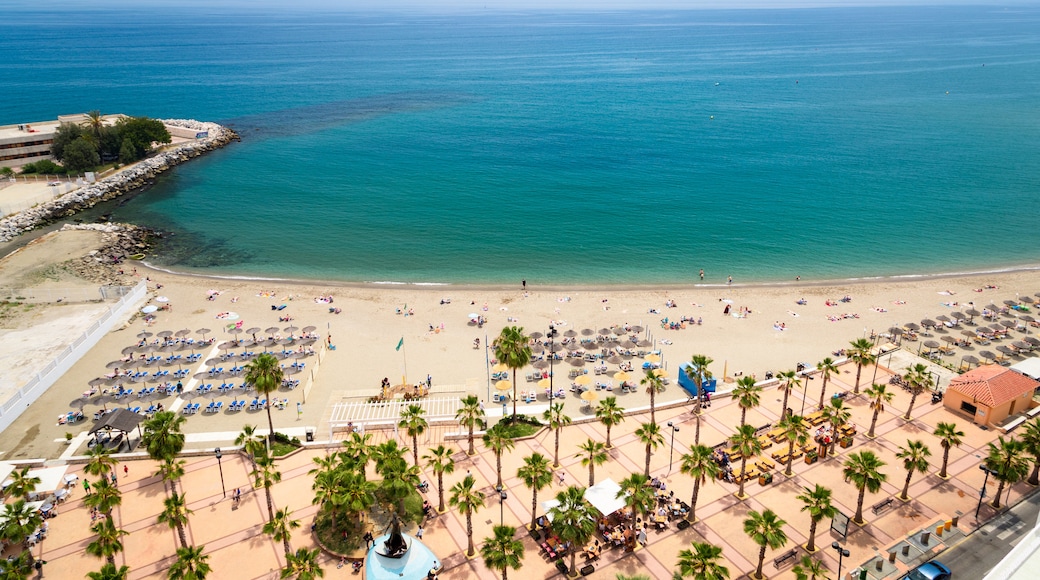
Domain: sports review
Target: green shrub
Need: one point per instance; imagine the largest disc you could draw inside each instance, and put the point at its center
(43, 167)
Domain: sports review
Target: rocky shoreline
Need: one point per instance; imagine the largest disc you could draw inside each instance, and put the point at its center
(128, 180)
(112, 262)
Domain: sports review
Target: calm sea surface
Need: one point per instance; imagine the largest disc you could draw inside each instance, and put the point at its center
(632, 147)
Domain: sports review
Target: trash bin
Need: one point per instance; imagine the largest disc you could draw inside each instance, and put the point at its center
(309, 432)
(765, 479)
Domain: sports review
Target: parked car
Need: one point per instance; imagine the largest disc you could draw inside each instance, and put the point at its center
(934, 570)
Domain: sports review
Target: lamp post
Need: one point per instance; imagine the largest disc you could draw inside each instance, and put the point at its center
(982, 492)
(221, 468)
(805, 391)
(842, 554)
(502, 497)
(552, 357)
(671, 450)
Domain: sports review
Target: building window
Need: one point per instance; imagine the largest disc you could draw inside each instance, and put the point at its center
(969, 408)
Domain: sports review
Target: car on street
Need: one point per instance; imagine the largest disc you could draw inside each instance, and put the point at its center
(934, 570)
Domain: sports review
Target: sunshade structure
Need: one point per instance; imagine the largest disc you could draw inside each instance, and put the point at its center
(51, 478)
(603, 496)
(121, 420)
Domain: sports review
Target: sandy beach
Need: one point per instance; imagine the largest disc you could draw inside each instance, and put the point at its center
(775, 334)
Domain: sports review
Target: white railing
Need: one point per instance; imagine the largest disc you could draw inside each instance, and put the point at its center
(13, 407)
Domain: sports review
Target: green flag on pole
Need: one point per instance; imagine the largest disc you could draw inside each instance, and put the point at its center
(400, 344)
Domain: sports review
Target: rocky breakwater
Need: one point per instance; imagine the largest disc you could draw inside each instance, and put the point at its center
(111, 262)
(132, 178)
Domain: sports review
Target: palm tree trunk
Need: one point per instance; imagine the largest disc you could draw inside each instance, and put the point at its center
(270, 423)
(790, 460)
(513, 372)
(823, 393)
(574, 554)
(646, 472)
(859, 506)
(761, 560)
(873, 421)
(504, 569)
(693, 499)
(415, 449)
(471, 450)
(1034, 478)
(946, 459)
(783, 410)
(288, 548)
(608, 438)
(440, 491)
(653, 393)
(534, 508)
(859, 369)
(270, 503)
(811, 545)
(743, 416)
(469, 533)
(556, 449)
(996, 498)
(182, 535)
(906, 484)
(498, 465)
(697, 429)
(913, 399)
(592, 472)
(743, 466)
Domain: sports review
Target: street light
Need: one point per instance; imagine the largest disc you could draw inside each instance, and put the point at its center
(221, 468)
(842, 554)
(805, 392)
(552, 357)
(671, 450)
(982, 492)
(502, 497)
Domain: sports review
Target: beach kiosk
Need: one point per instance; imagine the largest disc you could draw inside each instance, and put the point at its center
(687, 383)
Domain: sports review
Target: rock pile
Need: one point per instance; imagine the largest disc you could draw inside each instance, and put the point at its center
(130, 179)
(108, 264)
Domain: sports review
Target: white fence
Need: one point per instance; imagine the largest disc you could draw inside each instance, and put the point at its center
(27, 395)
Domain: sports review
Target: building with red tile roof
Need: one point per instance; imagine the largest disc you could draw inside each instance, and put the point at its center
(989, 394)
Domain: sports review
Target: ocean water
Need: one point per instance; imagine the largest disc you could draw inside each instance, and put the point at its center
(567, 148)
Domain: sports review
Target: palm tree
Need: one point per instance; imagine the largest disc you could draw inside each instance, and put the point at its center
(650, 435)
(703, 562)
(837, 414)
(328, 491)
(879, 395)
(698, 372)
(1031, 439)
(107, 544)
(303, 565)
(95, 121)
(101, 462)
(468, 501)
(809, 568)
(915, 458)
(265, 374)
(863, 469)
(610, 413)
(818, 503)
(654, 384)
(357, 494)
(860, 353)
(191, 564)
(175, 514)
(512, 349)
(109, 572)
(265, 475)
(357, 450)
(502, 551)
(163, 436)
(949, 437)
(748, 445)
(796, 431)
(106, 497)
(638, 494)
(440, 461)
(573, 520)
(748, 395)
(766, 530)
(826, 368)
(171, 470)
(470, 415)
(22, 484)
(700, 465)
(556, 420)
(414, 424)
(592, 453)
(498, 442)
(20, 521)
(1008, 463)
(281, 527)
(789, 381)
(919, 379)
(251, 443)
(537, 475)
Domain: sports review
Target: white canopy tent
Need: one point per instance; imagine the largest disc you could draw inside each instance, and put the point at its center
(51, 478)
(603, 496)
(1030, 367)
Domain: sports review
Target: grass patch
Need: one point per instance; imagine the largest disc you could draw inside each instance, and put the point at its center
(517, 426)
(283, 445)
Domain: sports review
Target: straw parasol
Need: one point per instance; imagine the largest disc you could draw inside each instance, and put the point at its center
(637, 329)
(615, 360)
(604, 331)
(165, 334)
(540, 364)
(928, 323)
(590, 396)
(912, 326)
(1032, 340)
(619, 330)
(971, 360)
(583, 380)
(587, 332)
(988, 355)
(1010, 303)
(203, 332)
(661, 373)
(652, 357)
(621, 376)
(1026, 299)
(503, 386)
(577, 361)
(144, 334)
(535, 335)
(500, 368)
(544, 383)
(182, 333)
(571, 333)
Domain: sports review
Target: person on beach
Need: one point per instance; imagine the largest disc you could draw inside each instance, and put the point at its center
(729, 280)
(702, 274)
(523, 284)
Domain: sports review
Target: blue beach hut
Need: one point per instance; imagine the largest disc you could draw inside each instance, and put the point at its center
(687, 383)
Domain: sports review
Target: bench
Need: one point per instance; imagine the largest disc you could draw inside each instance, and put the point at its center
(562, 567)
(785, 557)
(881, 505)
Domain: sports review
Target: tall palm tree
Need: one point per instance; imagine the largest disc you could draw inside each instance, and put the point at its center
(592, 453)
(789, 380)
(303, 565)
(251, 443)
(171, 470)
(106, 497)
(175, 514)
(748, 395)
(265, 475)
(281, 527)
(818, 503)
(191, 564)
(879, 395)
(860, 353)
(610, 413)
(703, 562)
(22, 484)
(357, 494)
(513, 349)
(502, 551)
(1007, 462)
(766, 530)
(470, 415)
(328, 493)
(698, 373)
(654, 384)
(440, 461)
(357, 451)
(1031, 439)
(109, 572)
(949, 436)
(107, 543)
(536, 475)
(796, 431)
(162, 436)
(638, 494)
(101, 461)
(700, 465)
(557, 420)
(837, 414)
(20, 521)
(649, 435)
(919, 379)
(573, 520)
(748, 445)
(95, 121)
(915, 458)
(468, 501)
(863, 469)
(414, 424)
(809, 568)
(265, 374)
(498, 442)
(827, 369)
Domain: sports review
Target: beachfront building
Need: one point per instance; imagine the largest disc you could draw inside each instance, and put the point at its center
(29, 142)
(990, 394)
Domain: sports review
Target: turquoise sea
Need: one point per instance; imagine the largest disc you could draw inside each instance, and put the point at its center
(606, 148)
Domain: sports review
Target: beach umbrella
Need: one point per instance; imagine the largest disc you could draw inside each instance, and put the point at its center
(619, 330)
(116, 364)
(988, 355)
(1022, 345)
(311, 328)
(534, 335)
(144, 334)
(203, 332)
(149, 309)
(928, 323)
(537, 348)
(969, 333)
(958, 316)
(1026, 318)
(638, 328)
(583, 380)
(499, 368)
(78, 403)
(544, 383)
(1010, 303)
(590, 396)
(931, 344)
(571, 333)
(604, 331)
(644, 343)
(1005, 350)
(182, 333)
(161, 299)
(96, 382)
(621, 376)
(652, 357)
(290, 370)
(943, 318)
(576, 361)
(103, 398)
(972, 312)
(540, 364)
(661, 373)
(165, 334)
(993, 307)
(503, 385)
(129, 350)
(573, 346)
(971, 360)
(895, 330)
(587, 332)
(291, 329)
(911, 326)
(144, 348)
(271, 330)
(1037, 294)
(1009, 324)
(614, 360)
